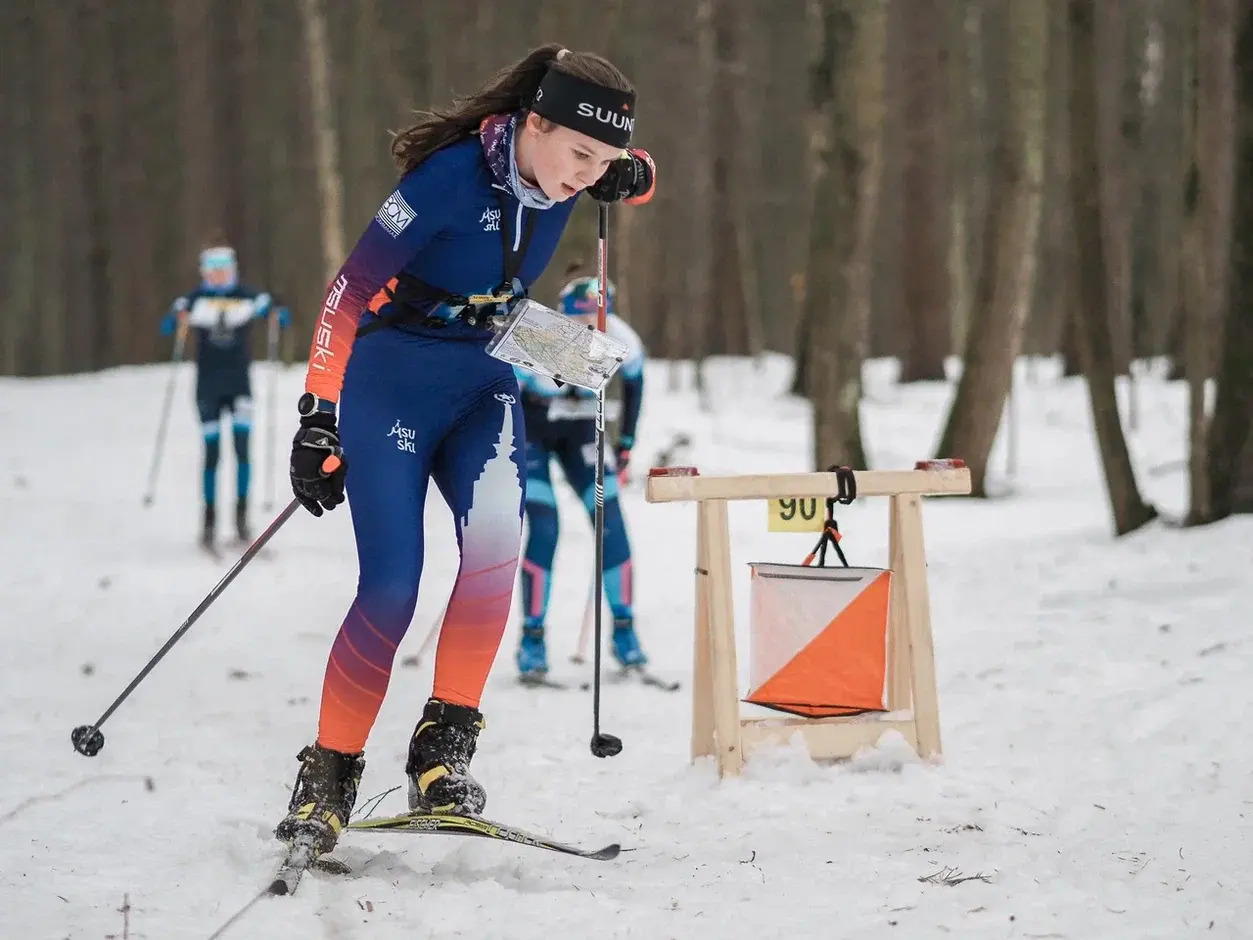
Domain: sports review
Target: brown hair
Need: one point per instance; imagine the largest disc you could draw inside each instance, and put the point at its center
(511, 89)
(573, 267)
(215, 238)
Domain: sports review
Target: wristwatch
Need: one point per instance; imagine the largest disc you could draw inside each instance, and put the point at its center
(310, 404)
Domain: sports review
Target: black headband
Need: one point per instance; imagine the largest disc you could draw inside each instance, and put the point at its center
(602, 113)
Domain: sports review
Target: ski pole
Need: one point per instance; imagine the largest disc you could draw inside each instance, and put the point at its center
(271, 400)
(431, 634)
(87, 739)
(179, 338)
(603, 745)
(580, 654)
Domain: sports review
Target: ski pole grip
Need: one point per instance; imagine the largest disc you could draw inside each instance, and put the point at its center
(330, 465)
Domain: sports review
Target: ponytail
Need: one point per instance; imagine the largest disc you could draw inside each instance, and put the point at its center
(511, 89)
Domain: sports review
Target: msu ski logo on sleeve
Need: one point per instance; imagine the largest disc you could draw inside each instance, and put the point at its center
(395, 214)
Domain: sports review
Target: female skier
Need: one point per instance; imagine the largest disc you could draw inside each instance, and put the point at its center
(561, 423)
(221, 312)
(485, 191)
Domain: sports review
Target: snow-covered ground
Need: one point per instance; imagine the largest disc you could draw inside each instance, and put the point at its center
(1093, 701)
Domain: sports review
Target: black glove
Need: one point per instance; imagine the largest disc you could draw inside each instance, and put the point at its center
(628, 177)
(317, 439)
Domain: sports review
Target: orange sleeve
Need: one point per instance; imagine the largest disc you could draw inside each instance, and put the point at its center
(408, 219)
(333, 336)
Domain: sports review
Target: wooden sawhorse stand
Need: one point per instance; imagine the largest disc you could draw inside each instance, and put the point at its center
(717, 727)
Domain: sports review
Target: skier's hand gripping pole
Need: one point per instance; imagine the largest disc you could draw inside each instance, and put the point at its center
(87, 739)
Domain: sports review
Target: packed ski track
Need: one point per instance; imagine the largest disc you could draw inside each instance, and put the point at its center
(1093, 699)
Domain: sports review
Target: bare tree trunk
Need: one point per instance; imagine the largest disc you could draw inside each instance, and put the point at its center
(1169, 140)
(889, 327)
(291, 220)
(777, 194)
(926, 219)
(330, 181)
(1011, 237)
(1072, 364)
(1116, 172)
(678, 215)
(700, 273)
(1093, 323)
(735, 328)
(20, 122)
(817, 129)
(135, 140)
(1233, 405)
(96, 96)
(1054, 281)
(847, 103)
(1065, 282)
(406, 68)
(67, 309)
(201, 178)
(1191, 276)
(1207, 232)
(227, 94)
(1158, 230)
(623, 219)
(962, 24)
(803, 355)
(257, 248)
(984, 62)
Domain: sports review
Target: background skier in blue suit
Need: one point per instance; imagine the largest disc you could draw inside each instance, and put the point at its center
(561, 424)
(220, 313)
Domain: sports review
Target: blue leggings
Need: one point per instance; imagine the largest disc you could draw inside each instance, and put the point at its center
(416, 409)
(573, 444)
(210, 409)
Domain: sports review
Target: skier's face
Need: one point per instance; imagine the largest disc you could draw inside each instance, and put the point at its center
(563, 162)
(218, 267)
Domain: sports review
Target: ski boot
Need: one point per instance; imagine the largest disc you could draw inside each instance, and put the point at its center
(323, 797)
(241, 523)
(207, 532)
(626, 645)
(532, 654)
(438, 767)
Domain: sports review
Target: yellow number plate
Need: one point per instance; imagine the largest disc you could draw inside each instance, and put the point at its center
(794, 514)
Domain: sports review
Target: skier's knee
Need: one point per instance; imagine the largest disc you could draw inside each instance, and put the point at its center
(539, 494)
(387, 601)
(241, 414)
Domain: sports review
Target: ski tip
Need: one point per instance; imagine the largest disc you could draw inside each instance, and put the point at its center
(608, 853)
